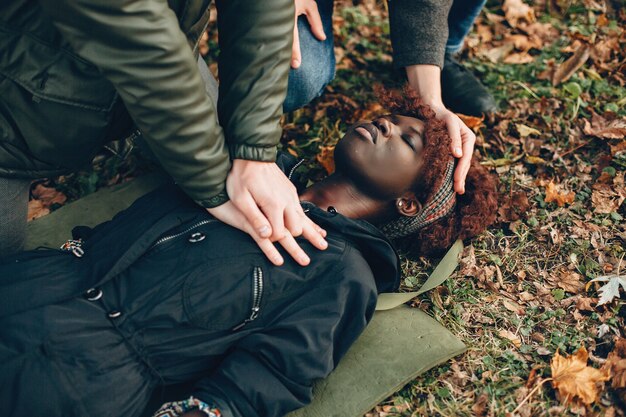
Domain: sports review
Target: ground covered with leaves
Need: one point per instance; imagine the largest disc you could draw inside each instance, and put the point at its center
(537, 299)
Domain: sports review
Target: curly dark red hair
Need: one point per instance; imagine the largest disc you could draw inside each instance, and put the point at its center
(474, 211)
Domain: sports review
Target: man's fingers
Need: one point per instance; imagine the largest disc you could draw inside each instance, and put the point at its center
(296, 56)
(276, 216)
(269, 250)
(293, 249)
(247, 206)
(314, 234)
(455, 135)
(294, 220)
(315, 21)
(469, 138)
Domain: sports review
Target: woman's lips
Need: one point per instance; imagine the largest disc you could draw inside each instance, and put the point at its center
(368, 132)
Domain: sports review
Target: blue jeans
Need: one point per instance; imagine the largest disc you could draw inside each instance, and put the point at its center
(460, 21)
(318, 57)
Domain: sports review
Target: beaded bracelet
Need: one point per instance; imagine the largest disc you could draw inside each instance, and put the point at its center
(178, 408)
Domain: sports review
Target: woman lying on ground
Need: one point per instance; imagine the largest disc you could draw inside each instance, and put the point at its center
(164, 294)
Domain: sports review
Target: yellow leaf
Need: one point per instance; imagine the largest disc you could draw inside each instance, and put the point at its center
(326, 158)
(560, 198)
(516, 11)
(526, 130)
(574, 380)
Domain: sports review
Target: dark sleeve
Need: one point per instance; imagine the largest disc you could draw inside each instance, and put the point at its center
(140, 49)
(419, 31)
(255, 49)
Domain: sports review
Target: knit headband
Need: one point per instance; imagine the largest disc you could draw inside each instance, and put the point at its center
(439, 206)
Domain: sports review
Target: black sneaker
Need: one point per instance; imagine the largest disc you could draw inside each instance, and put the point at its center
(462, 92)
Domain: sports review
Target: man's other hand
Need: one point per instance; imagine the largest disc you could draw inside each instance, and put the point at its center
(264, 204)
(309, 9)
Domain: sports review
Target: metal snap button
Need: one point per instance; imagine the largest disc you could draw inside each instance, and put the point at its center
(197, 237)
(114, 314)
(93, 294)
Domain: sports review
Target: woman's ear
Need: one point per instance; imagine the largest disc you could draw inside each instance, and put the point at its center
(408, 205)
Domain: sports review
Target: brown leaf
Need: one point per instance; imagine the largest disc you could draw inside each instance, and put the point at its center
(561, 198)
(326, 158)
(605, 129)
(472, 122)
(517, 12)
(586, 304)
(616, 362)
(48, 195)
(574, 380)
(36, 209)
(512, 337)
(570, 282)
(480, 406)
(518, 58)
(571, 65)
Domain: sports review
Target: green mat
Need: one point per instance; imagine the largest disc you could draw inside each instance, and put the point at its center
(397, 346)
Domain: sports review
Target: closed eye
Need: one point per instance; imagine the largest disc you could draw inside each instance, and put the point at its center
(409, 140)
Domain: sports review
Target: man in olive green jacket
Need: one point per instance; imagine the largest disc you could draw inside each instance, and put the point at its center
(75, 74)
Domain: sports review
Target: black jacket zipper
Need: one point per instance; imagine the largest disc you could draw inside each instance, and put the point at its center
(257, 294)
(184, 232)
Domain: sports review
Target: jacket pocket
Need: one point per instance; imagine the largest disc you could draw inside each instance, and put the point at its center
(225, 295)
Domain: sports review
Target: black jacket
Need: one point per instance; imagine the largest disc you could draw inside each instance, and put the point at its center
(164, 294)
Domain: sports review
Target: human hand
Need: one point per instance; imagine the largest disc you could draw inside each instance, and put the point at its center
(426, 81)
(309, 9)
(264, 204)
(463, 140)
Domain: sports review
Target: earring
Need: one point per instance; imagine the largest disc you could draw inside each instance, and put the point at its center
(400, 203)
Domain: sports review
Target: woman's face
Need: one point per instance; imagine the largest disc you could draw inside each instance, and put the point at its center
(383, 157)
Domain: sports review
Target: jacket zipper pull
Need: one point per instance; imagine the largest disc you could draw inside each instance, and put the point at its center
(253, 316)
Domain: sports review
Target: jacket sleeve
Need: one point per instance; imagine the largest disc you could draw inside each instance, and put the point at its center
(140, 49)
(255, 49)
(419, 31)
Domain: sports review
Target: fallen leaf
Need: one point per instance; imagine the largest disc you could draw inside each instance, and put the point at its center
(326, 158)
(512, 337)
(610, 290)
(607, 198)
(574, 380)
(586, 304)
(472, 122)
(570, 282)
(498, 53)
(36, 209)
(560, 198)
(516, 12)
(480, 405)
(571, 65)
(48, 195)
(616, 362)
(605, 129)
(524, 130)
(519, 58)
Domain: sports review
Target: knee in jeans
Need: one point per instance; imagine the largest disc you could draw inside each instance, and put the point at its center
(307, 83)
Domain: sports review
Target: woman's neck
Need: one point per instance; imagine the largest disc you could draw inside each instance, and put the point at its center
(339, 191)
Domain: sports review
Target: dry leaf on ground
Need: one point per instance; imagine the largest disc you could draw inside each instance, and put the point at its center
(326, 159)
(610, 290)
(605, 129)
(571, 65)
(616, 362)
(36, 209)
(516, 12)
(561, 198)
(574, 380)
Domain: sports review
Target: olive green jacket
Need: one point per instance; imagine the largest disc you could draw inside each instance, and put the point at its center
(74, 72)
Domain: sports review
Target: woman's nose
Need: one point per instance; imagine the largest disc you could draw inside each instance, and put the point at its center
(383, 125)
